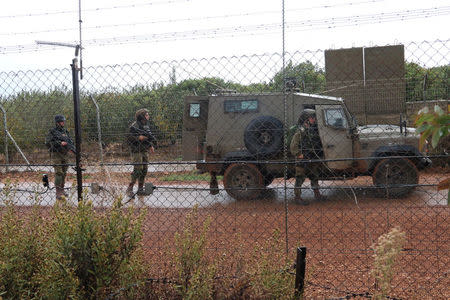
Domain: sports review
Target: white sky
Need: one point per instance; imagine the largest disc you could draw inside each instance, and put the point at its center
(170, 16)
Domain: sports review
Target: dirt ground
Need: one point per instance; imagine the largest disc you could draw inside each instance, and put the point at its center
(338, 240)
(338, 233)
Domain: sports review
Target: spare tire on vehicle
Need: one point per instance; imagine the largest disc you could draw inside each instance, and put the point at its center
(263, 136)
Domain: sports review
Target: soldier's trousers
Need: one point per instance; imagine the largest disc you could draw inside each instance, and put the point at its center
(140, 159)
(60, 165)
(310, 171)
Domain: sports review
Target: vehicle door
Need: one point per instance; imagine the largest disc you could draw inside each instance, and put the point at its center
(334, 134)
(195, 120)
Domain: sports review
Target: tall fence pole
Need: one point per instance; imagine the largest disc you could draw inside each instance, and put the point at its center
(99, 129)
(76, 113)
(5, 128)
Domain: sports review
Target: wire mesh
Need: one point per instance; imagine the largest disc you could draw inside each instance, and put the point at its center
(220, 128)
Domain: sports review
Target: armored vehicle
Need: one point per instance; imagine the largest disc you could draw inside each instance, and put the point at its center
(242, 137)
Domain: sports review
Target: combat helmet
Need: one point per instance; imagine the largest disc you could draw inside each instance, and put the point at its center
(305, 115)
(59, 118)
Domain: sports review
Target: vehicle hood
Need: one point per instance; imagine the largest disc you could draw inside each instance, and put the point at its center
(385, 131)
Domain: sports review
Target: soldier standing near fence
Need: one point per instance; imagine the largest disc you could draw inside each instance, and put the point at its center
(141, 141)
(306, 144)
(59, 144)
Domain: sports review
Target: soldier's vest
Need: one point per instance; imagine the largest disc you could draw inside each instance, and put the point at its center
(310, 144)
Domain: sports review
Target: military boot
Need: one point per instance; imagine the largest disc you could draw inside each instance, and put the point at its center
(140, 191)
(59, 193)
(317, 195)
(298, 197)
(129, 191)
(63, 190)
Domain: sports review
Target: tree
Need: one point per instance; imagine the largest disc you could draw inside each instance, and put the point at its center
(310, 77)
(426, 84)
(437, 126)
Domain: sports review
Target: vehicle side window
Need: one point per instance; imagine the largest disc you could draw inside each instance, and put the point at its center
(335, 117)
(194, 110)
(241, 106)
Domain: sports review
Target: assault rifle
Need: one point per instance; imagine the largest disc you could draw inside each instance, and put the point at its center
(151, 140)
(57, 138)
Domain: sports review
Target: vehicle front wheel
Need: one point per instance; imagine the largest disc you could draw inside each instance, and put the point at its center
(243, 181)
(395, 177)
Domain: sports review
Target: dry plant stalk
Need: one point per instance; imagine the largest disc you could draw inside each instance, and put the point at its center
(386, 252)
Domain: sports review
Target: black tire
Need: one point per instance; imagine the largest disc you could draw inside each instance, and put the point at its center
(263, 136)
(392, 177)
(268, 178)
(240, 176)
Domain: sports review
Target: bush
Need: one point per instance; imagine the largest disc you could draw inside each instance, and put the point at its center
(268, 268)
(195, 272)
(74, 253)
(95, 249)
(22, 252)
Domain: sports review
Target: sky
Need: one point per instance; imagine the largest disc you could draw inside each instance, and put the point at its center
(136, 31)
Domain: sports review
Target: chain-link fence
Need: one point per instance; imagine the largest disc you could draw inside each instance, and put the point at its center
(238, 136)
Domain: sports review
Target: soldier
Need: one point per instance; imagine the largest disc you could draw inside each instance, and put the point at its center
(306, 144)
(59, 144)
(140, 141)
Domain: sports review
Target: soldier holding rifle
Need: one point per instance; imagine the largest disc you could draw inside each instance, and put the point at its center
(141, 141)
(59, 144)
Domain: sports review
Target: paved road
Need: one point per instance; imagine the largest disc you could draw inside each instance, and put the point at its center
(172, 167)
(182, 196)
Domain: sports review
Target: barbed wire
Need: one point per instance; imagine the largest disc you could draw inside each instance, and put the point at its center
(94, 9)
(248, 30)
(202, 18)
(177, 1)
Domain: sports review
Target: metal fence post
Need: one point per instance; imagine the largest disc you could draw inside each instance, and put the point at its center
(76, 112)
(8, 135)
(300, 266)
(99, 129)
(5, 128)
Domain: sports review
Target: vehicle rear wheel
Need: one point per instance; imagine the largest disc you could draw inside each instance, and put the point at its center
(395, 177)
(243, 181)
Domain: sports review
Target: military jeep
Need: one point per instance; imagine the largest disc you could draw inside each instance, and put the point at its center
(242, 137)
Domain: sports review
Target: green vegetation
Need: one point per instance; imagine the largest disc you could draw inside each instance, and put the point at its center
(437, 126)
(426, 84)
(267, 267)
(68, 253)
(195, 271)
(310, 78)
(432, 124)
(31, 112)
(22, 252)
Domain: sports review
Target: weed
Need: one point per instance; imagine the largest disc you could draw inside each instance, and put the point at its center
(195, 272)
(94, 249)
(386, 252)
(268, 267)
(22, 251)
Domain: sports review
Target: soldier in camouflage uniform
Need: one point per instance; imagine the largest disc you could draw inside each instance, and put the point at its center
(306, 144)
(140, 141)
(59, 144)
